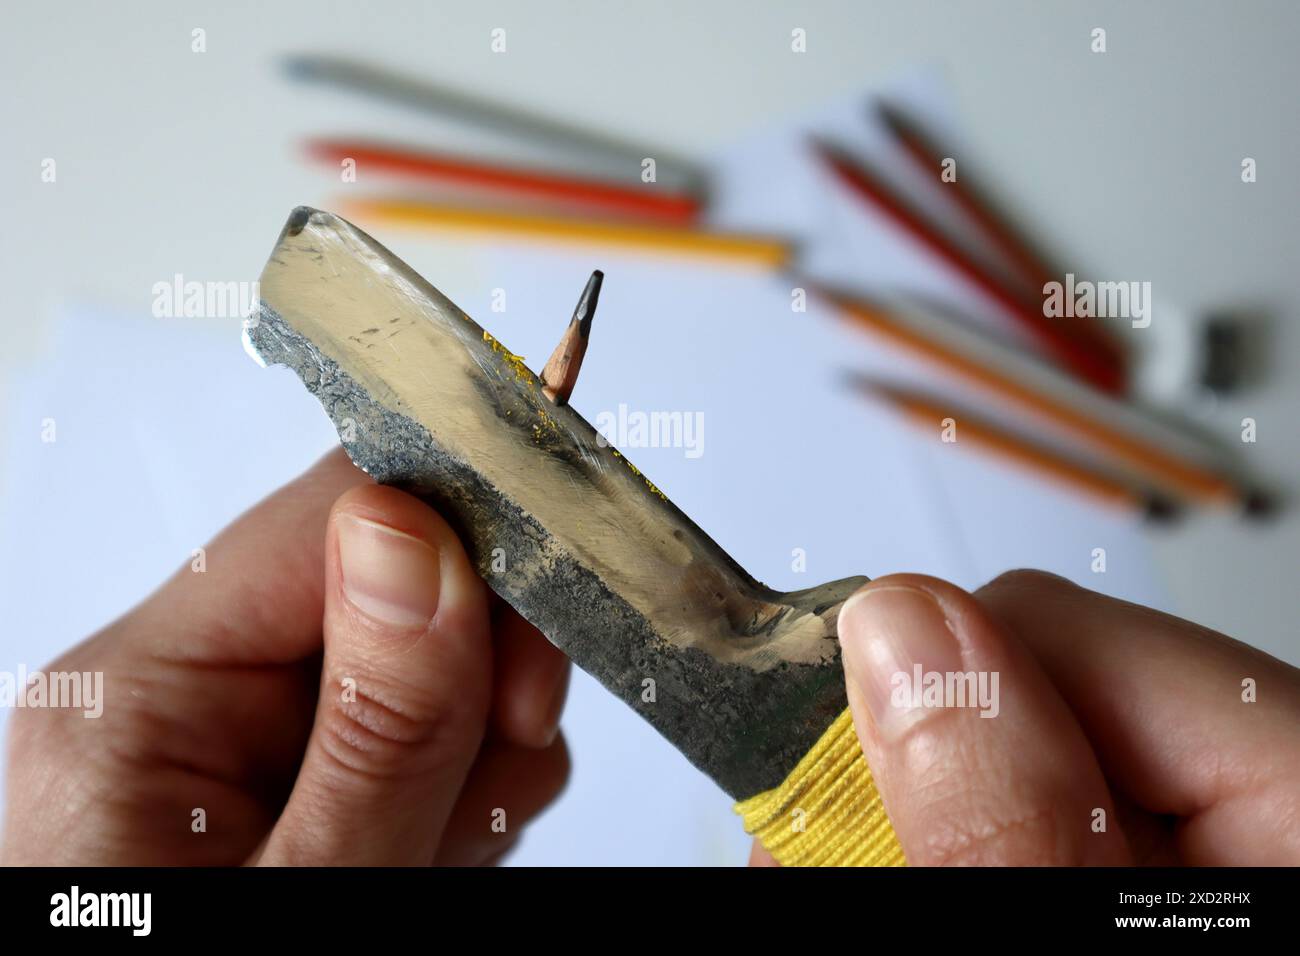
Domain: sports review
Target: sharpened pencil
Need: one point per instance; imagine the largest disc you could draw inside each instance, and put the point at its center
(561, 372)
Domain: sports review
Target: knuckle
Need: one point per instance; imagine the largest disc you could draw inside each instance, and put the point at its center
(975, 833)
(370, 731)
(972, 806)
(968, 821)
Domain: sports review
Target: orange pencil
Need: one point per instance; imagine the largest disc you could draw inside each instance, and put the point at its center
(935, 415)
(1177, 474)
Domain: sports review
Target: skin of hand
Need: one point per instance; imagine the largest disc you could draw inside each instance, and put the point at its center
(1183, 743)
(336, 687)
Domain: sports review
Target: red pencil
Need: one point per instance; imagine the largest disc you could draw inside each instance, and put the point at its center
(1087, 358)
(922, 149)
(642, 202)
(1030, 267)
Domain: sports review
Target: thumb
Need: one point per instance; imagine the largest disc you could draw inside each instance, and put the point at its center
(405, 686)
(976, 757)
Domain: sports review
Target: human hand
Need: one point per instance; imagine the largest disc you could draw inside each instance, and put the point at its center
(337, 687)
(1105, 714)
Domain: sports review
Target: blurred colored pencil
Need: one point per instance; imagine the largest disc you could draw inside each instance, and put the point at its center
(1175, 473)
(761, 251)
(644, 202)
(485, 113)
(928, 155)
(1030, 267)
(1086, 358)
(931, 413)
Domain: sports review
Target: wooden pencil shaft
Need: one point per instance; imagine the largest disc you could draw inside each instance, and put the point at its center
(561, 372)
(1033, 457)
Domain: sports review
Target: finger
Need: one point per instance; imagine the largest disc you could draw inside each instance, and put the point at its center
(977, 758)
(260, 595)
(532, 681)
(405, 684)
(1163, 703)
(508, 787)
(758, 856)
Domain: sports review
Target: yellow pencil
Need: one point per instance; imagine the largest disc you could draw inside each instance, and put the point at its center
(763, 251)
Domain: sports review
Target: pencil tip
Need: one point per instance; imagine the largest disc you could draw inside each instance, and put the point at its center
(1161, 509)
(895, 117)
(855, 380)
(586, 309)
(1260, 504)
(561, 371)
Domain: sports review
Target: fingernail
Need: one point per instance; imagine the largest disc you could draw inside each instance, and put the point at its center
(388, 575)
(892, 636)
